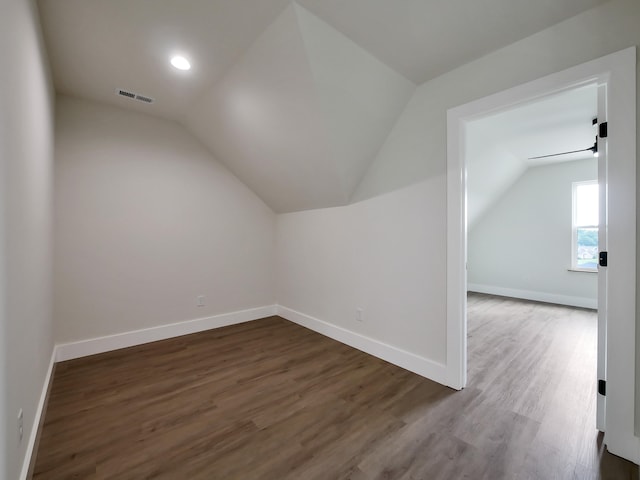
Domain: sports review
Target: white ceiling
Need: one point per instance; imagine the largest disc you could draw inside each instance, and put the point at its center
(425, 38)
(329, 76)
(302, 113)
(96, 46)
(499, 146)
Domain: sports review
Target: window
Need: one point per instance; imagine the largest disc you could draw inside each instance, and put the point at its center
(584, 251)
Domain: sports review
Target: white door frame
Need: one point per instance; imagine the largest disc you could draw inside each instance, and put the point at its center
(618, 72)
(603, 245)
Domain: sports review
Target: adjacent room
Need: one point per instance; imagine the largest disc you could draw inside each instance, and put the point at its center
(225, 244)
(530, 233)
(533, 204)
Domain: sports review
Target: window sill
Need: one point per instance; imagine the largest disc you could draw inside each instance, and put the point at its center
(581, 270)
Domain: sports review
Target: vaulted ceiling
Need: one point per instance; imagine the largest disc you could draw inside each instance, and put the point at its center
(500, 147)
(296, 98)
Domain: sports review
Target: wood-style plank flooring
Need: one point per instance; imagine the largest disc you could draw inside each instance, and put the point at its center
(272, 400)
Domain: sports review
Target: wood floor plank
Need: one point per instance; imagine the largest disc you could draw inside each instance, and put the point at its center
(272, 400)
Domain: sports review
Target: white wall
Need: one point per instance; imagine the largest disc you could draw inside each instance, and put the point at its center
(26, 156)
(522, 245)
(147, 220)
(369, 255)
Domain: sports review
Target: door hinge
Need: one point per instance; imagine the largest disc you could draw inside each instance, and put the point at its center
(602, 259)
(603, 130)
(602, 387)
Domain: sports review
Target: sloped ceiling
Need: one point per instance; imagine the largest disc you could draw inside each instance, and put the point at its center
(302, 113)
(425, 38)
(296, 98)
(96, 46)
(499, 146)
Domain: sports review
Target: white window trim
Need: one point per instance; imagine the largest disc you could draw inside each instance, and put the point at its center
(574, 228)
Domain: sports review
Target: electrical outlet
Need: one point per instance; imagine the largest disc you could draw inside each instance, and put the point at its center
(200, 301)
(359, 314)
(20, 425)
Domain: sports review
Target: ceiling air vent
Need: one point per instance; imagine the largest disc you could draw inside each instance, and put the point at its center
(133, 95)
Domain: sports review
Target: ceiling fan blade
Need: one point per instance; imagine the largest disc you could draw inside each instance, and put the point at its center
(563, 153)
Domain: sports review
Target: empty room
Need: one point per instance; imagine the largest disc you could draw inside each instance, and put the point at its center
(532, 192)
(236, 239)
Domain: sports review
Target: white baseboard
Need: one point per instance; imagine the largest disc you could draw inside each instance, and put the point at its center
(36, 420)
(83, 348)
(627, 447)
(409, 361)
(582, 302)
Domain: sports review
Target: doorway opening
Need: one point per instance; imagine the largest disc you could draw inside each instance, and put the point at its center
(532, 234)
(615, 77)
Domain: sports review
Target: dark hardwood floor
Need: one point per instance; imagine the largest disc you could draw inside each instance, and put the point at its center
(272, 400)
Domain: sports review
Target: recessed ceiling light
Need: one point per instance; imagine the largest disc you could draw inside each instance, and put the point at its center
(180, 63)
